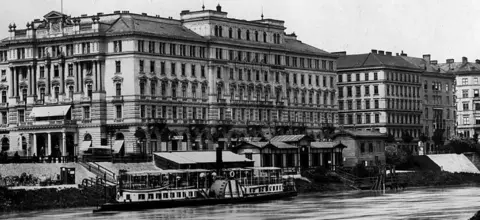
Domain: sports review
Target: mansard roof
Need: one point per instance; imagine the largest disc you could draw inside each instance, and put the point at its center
(128, 23)
(371, 60)
(300, 47)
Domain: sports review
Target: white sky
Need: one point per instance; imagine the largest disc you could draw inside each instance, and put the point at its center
(443, 28)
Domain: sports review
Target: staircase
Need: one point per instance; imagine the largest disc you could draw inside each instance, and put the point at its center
(349, 179)
(101, 172)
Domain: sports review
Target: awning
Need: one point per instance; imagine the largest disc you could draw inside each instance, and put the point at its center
(85, 145)
(48, 111)
(117, 146)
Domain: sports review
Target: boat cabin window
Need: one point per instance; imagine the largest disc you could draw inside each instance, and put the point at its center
(179, 194)
(165, 195)
(158, 196)
(141, 196)
(190, 194)
(184, 194)
(128, 197)
(172, 195)
(150, 196)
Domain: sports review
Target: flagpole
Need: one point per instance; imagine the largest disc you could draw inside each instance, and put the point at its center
(61, 6)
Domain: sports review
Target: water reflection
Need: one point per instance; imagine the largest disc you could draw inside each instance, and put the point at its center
(444, 203)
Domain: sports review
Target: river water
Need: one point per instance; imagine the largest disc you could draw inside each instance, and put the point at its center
(426, 203)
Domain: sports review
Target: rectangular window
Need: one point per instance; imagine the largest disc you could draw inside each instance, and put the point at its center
(464, 81)
(465, 106)
(375, 90)
(117, 46)
(152, 66)
(202, 71)
(86, 112)
(377, 118)
(465, 93)
(466, 120)
(21, 115)
(118, 111)
(375, 76)
(172, 69)
(162, 68)
(377, 105)
(141, 66)
(4, 118)
(140, 46)
(142, 111)
(173, 49)
(183, 68)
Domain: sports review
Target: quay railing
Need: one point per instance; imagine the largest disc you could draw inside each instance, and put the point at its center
(38, 159)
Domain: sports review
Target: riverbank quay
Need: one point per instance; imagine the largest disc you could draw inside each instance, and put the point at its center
(321, 181)
(29, 199)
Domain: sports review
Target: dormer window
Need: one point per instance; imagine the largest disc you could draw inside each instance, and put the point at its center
(218, 31)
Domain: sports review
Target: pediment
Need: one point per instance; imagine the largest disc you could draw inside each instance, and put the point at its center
(53, 15)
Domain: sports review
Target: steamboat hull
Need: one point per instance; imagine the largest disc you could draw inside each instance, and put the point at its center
(133, 206)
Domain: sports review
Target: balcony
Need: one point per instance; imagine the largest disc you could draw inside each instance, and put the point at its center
(86, 120)
(117, 99)
(4, 105)
(86, 99)
(118, 120)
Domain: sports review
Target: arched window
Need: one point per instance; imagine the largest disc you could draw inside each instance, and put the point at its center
(265, 37)
(239, 34)
(256, 35)
(87, 137)
(230, 33)
(5, 144)
(153, 88)
(248, 35)
(216, 31)
(220, 31)
(119, 136)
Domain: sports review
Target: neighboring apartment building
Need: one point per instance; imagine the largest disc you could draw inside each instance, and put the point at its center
(438, 92)
(380, 92)
(467, 93)
(145, 83)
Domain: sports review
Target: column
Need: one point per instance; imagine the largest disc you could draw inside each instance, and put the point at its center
(76, 76)
(95, 66)
(16, 83)
(35, 80)
(64, 144)
(62, 78)
(49, 68)
(29, 79)
(49, 144)
(34, 144)
(12, 81)
(100, 76)
(80, 83)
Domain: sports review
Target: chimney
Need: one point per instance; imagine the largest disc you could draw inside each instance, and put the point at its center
(219, 152)
(340, 53)
(374, 51)
(450, 60)
(403, 54)
(477, 61)
(219, 8)
(388, 53)
(464, 60)
(434, 62)
(381, 52)
(116, 12)
(426, 57)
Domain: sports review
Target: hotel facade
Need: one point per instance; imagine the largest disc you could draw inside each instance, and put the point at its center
(138, 84)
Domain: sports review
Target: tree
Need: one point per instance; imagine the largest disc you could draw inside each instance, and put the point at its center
(475, 137)
(437, 137)
(423, 138)
(395, 156)
(390, 138)
(458, 146)
(406, 137)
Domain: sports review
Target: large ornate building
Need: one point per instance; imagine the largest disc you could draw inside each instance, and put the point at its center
(138, 83)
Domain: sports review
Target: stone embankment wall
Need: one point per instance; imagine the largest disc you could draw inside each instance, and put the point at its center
(49, 198)
(474, 157)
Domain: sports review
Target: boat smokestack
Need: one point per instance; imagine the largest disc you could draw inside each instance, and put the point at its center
(219, 159)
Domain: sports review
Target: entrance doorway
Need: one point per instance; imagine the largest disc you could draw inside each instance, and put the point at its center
(304, 157)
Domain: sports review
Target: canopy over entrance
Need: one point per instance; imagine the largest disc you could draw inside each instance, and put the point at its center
(50, 111)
